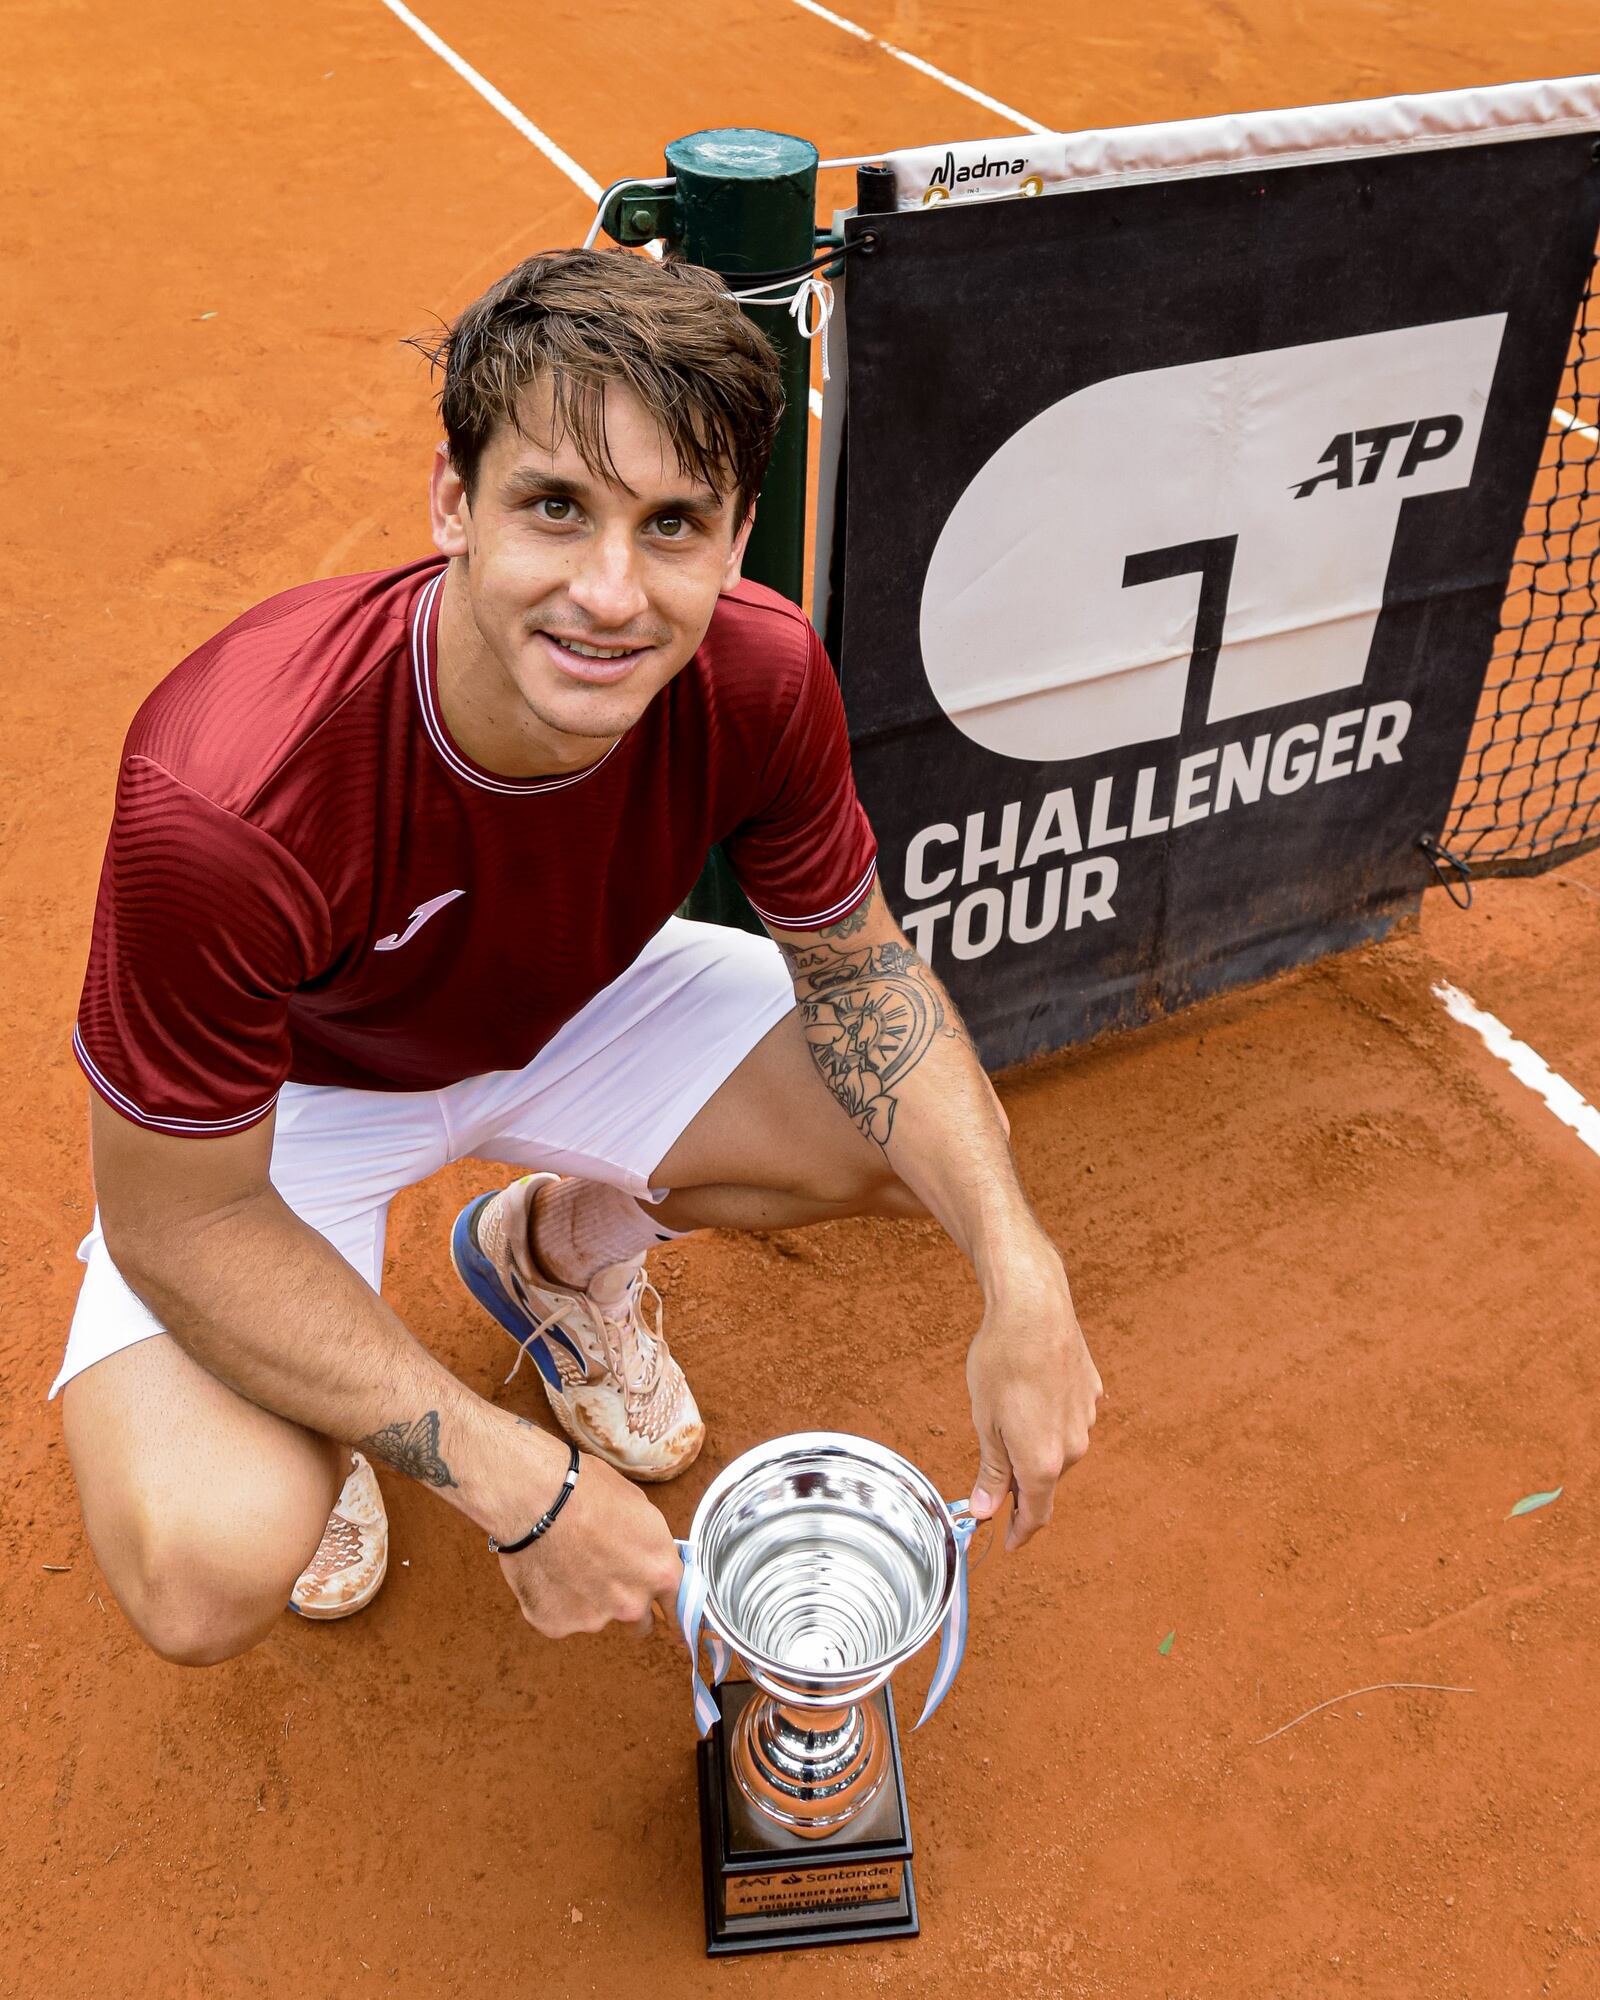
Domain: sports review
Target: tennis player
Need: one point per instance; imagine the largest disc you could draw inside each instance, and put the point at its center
(391, 881)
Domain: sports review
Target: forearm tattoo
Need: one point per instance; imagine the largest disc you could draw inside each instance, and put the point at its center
(412, 1449)
(870, 1013)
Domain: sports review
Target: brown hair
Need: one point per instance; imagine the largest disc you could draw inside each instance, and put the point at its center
(585, 318)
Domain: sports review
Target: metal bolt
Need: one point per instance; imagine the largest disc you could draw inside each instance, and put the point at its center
(641, 222)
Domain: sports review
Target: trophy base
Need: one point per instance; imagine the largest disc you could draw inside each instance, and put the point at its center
(767, 1889)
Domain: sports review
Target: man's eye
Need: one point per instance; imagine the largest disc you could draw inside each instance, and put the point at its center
(673, 526)
(554, 510)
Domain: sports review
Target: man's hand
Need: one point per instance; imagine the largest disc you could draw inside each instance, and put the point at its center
(1034, 1390)
(603, 1561)
(268, 1306)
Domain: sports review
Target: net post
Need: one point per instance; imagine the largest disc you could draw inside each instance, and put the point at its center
(746, 202)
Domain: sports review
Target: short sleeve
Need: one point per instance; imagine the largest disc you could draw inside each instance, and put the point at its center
(204, 926)
(807, 857)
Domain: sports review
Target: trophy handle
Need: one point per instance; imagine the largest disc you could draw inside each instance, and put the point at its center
(953, 1632)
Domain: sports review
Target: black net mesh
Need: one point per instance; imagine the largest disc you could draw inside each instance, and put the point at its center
(1529, 793)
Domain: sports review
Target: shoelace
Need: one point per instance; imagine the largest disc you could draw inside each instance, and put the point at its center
(634, 1351)
(637, 1354)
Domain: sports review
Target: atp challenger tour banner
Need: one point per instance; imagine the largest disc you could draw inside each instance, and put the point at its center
(1177, 515)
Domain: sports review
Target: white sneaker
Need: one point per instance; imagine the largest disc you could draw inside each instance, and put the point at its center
(607, 1371)
(353, 1556)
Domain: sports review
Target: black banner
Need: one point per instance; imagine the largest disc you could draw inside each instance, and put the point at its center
(1177, 523)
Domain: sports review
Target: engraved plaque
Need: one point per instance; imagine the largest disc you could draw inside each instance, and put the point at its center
(840, 1888)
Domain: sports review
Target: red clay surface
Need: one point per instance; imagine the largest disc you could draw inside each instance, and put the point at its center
(1339, 1269)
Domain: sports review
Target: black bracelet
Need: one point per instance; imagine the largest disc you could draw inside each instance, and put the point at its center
(542, 1525)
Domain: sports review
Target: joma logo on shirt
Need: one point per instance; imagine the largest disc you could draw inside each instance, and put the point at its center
(419, 916)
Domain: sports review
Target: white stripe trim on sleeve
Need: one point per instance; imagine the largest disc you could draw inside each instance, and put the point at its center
(831, 915)
(126, 1105)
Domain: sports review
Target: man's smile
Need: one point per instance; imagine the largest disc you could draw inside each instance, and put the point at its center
(596, 665)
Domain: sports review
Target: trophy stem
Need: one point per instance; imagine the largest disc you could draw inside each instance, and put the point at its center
(812, 1770)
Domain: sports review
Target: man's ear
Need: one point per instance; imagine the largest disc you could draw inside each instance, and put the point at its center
(735, 569)
(449, 509)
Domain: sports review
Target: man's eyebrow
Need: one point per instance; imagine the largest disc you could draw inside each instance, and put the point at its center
(706, 505)
(524, 480)
(529, 482)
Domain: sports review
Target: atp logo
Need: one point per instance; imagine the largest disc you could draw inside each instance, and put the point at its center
(1135, 563)
(1431, 437)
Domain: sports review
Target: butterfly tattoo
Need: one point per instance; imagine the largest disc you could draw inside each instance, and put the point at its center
(412, 1449)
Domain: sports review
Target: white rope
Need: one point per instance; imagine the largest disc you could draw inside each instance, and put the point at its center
(809, 305)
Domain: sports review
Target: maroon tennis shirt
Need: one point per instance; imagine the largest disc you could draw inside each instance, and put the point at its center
(306, 878)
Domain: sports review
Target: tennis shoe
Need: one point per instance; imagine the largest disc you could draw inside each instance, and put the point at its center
(611, 1380)
(353, 1556)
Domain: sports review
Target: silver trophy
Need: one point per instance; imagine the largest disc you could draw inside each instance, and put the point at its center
(822, 1562)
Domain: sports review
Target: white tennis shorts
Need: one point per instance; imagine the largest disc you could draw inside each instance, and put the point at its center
(606, 1100)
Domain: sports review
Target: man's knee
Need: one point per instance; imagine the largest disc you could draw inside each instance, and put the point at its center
(194, 1597)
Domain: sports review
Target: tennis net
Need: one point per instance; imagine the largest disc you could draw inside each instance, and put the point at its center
(1529, 794)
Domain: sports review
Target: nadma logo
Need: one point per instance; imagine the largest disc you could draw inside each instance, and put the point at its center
(948, 175)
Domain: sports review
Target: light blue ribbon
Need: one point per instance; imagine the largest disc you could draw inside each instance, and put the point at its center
(692, 1592)
(691, 1614)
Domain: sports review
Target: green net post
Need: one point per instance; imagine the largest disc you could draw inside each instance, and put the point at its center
(745, 202)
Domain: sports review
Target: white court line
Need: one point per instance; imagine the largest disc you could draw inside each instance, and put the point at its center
(1569, 422)
(507, 110)
(546, 145)
(926, 68)
(1526, 1066)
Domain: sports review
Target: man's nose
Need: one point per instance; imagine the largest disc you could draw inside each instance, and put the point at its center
(606, 584)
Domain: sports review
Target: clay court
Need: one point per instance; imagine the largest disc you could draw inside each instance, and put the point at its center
(1337, 1265)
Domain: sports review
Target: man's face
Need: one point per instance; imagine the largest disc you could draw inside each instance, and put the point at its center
(589, 593)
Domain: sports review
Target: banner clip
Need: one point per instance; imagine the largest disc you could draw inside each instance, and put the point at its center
(1459, 890)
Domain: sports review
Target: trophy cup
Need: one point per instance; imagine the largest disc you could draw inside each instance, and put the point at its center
(822, 1562)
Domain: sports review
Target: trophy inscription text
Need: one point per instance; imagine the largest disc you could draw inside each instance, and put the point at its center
(814, 1889)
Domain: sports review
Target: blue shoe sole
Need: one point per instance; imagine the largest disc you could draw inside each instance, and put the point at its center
(483, 1282)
